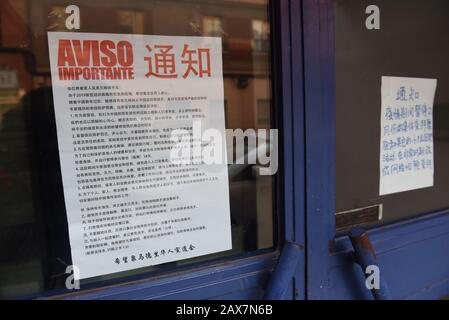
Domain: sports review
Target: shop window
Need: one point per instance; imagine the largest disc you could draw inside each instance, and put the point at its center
(34, 226)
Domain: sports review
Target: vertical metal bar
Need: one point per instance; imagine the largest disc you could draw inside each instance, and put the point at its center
(283, 272)
(320, 115)
(365, 256)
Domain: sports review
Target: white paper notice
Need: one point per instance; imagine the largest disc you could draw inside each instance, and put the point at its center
(406, 140)
(117, 99)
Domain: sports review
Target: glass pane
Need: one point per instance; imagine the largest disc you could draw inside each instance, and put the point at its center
(33, 221)
(412, 42)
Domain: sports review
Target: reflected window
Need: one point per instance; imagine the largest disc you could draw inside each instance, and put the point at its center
(261, 35)
(130, 21)
(56, 19)
(212, 26)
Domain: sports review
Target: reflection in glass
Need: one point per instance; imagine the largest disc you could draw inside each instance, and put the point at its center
(33, 225)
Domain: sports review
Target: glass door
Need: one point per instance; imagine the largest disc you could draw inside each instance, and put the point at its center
(118, 194)
(376, 106)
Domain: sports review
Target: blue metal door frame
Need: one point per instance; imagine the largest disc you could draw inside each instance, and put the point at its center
(412, 254)
(247, 277)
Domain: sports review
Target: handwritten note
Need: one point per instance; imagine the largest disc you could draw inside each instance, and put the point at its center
(406, 139)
